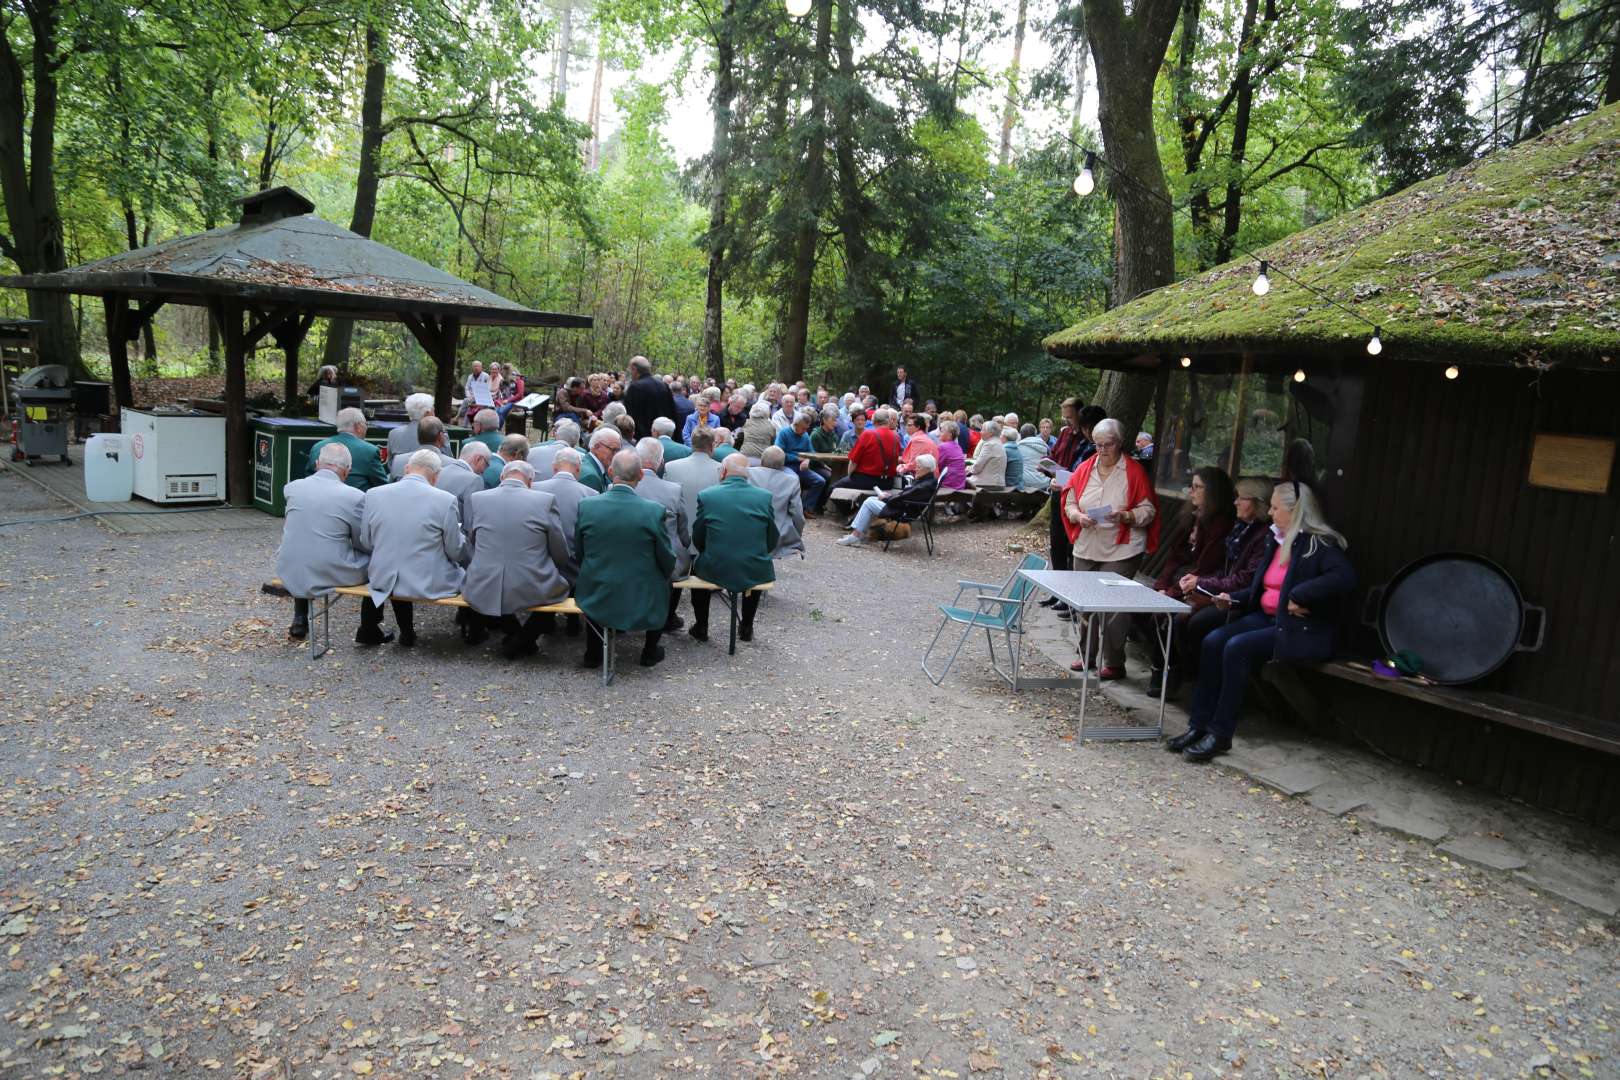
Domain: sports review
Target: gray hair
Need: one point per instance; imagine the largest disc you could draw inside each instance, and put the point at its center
(514, 447)
(990, 430)
(568, 456)
(426, 459)
(626, 467)
(703, 438)
(734, 465)
(829, 411)
(663, 425)
(651, 453)
(641, 365)
(925, 463)
(612, 411)
(949, 429)
(418, 406)
(774, 457)
(472, 450)
(759, 410)
(1108, 426)
(486, 420)
(1027, 430)
(334, 455)
(325, 368)
(350, 418)
(520, 469)
(1010, 420)
(807, 414)
(606, 436)
(567, 432)
(428, 430)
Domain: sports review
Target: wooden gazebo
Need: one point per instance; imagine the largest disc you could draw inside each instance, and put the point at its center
(271, 275)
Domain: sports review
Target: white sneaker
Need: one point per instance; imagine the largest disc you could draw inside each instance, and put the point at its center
(852, 540)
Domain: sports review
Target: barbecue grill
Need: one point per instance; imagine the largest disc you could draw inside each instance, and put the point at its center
(40, 400)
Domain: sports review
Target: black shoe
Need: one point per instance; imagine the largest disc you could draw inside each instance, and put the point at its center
(513, 646)
(406, 640)
(299, 630)
(1051, 601)
(653, 657)
(745, 633)
(1182, 741)
(698, 633)
(475, 633)
(1205, 747)
(673, 623)
(382, 637)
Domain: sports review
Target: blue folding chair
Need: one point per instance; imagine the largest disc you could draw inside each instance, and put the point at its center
(996, 609)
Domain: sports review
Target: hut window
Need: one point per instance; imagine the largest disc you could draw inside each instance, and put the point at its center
(1572, 463)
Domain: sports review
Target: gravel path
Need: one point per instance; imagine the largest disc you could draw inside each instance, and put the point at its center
(223, 859)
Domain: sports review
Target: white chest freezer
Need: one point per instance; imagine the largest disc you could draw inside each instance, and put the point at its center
(179, 454)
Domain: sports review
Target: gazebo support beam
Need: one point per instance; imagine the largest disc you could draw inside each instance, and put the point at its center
(124, 325)
(439, 338)
(227, 315)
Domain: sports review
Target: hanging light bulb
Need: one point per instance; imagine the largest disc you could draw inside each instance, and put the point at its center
(1374, 346)
(798, 8)
(1086, 182)
(1299, 376)
(1262, 284)
(1453, 371)
(1186, 361)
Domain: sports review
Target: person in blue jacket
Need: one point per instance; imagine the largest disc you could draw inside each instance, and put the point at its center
(1289, 612)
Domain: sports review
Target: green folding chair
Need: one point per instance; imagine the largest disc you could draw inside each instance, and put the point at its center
(996, 609)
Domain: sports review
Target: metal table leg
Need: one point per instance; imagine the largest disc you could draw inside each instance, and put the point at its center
(325, 636)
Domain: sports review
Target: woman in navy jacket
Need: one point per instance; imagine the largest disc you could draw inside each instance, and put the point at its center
(1290, 611)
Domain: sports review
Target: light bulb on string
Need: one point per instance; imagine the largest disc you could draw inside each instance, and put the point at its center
(797, 8)
(1186, 361)
(1299, 376)
(1262, 284)
(1453, 371)
(1086, 182)
(1374, 345)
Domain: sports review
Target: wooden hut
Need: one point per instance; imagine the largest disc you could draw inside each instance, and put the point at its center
(1485, 424)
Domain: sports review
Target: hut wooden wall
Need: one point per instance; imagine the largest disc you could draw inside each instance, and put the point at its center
(1444, 466)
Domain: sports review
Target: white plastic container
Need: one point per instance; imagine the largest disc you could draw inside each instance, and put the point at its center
(109, 469)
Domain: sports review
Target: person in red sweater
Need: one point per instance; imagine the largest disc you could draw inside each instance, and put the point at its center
(875, 456)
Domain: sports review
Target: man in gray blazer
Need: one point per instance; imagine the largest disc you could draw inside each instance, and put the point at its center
(430, 434)
(564, 433)
(413, 531)
(677, 525)
(321, 546)
(403, 441)
(787, 505)
(464, 476)
(520, 558)
(564, 486)
(693, 475)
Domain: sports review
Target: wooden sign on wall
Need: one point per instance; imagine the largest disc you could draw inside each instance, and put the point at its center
(1572, 463)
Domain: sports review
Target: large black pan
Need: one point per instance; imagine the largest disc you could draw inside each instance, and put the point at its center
(1461, 613)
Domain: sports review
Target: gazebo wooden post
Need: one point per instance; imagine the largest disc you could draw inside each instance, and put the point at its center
(227, 315)
(289, 334)
(116, 308)
(439, 339)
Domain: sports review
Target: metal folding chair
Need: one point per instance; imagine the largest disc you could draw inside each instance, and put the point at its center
(997, 609)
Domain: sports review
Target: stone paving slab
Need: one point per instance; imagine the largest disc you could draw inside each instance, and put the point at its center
(1337, 800)
(1295, 778)
(1487, 851)
(1409, 822)
(1585, 893)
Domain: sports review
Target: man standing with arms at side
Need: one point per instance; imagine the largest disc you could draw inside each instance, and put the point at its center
(905, 388)
(413, 531)
(321, 546)
(735, 534)
(646, 397)
(624, 563)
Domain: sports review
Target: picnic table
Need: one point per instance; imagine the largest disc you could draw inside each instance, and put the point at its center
(836, 464)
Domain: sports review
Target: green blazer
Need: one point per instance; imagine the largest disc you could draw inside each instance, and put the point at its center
(491, 439)
(590, 472)
(492, 474)
(735, 533)
(674, 451)
(367, 471)
(624, 560)
(720, 453)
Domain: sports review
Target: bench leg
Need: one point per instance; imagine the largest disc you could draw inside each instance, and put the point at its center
(324, 638)
(731, 602)
(608, 667)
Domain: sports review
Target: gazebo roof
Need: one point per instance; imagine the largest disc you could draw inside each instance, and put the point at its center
(281, 254)
(1512, 259)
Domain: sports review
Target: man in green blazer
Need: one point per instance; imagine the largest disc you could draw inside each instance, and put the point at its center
(723, 447)
(624, 562)
(368, 471)
(593, 465)
(486, 425)
(735, 533)
(664, 431)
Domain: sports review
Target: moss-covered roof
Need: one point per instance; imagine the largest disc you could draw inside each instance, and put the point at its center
(1514, 258)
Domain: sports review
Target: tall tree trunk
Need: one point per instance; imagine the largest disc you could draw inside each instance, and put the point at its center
(28, 181)
(1129, 51)
(593, 158)
(1611, 82)
(210, 211)
(340, 332)
(1232, 208)
(1082, 60)
(1009, 114)
(796, 331)
(565, 41)
(1192, 123)
(725, 92)
(866, 329)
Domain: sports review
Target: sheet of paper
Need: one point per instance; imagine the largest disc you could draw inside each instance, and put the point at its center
(480, 391)
(1061, 478)
(1098, 513)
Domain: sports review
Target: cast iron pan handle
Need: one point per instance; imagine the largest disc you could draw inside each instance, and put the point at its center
(1540, 614)
(1370, 606)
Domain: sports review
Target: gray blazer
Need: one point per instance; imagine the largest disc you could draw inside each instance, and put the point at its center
(677, 525)
(321, 545)
(542, 456)
(694, 474)
(401, 443)
(396, 465)
(569, 493)
(458, 479)
(520, 556)
(414, 533)
(787, 505)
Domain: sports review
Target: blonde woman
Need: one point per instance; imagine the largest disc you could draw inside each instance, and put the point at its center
(1289, 612)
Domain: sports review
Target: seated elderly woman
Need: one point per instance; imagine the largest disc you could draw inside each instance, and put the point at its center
(952, 462)
(1209, 519)
(988, 469)
(1289, 612)
(1111, 517)
(757, 431)
(901, 504)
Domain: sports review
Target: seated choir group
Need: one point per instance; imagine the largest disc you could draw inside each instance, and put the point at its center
(696, 480)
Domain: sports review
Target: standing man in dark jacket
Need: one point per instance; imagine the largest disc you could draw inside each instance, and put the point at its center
(905, 387)
(646, 398)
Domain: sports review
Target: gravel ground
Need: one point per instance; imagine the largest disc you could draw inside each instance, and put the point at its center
(224, 859)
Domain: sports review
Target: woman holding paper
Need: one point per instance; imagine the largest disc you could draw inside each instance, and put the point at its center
(1111, 516)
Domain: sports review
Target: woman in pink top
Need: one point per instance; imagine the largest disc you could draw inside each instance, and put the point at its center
(952, 463)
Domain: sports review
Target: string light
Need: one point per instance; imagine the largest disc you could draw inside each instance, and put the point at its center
(1262, 284)
(1299, 376)
(1186, 361)
(1375, 346)
(797, 8)
(1086, 182)
(1453, 371)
